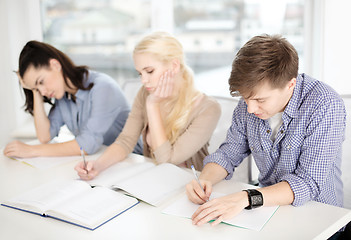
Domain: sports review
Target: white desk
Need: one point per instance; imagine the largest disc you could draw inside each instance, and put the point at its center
(312, 221)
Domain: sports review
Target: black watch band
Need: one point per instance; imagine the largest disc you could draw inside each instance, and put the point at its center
(255, 198)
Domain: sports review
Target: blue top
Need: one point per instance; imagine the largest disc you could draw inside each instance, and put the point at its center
(96, 117)
(307, 149)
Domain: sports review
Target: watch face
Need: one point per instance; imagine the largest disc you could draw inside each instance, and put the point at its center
(256, 200)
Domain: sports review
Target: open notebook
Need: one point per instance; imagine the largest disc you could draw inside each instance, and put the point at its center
(253, 219)
(146, 181)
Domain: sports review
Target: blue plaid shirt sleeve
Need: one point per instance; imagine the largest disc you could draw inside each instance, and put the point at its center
(235, 147)
(314, 176)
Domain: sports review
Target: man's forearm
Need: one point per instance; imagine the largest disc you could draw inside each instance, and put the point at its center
(213, 172)
(277, 194)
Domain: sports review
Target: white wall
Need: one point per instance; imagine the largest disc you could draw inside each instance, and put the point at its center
(19, 23)
(337, 47)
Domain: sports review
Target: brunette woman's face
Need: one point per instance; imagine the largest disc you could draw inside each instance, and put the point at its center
(47, 80)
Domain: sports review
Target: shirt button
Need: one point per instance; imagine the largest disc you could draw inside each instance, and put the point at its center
(289, 147)
(268, 131)
(281, 131)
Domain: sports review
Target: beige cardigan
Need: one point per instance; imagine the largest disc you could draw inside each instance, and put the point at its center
(191, 146)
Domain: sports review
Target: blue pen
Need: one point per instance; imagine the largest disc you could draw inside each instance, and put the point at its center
(197, 179)
(85, 163)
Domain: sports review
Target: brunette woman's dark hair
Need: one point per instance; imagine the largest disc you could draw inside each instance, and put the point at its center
(38, 54)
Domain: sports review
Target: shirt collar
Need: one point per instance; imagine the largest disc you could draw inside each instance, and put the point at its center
(292, 108)
(81, 94)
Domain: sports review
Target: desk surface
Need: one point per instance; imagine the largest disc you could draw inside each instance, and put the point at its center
(311, 221)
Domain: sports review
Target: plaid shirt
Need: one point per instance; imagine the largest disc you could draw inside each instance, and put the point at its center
(307, 149)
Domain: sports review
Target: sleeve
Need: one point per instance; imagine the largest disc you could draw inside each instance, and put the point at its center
(134, 124)
(320, 150)
(56, 121)
(235, 147)
(196, 135)
(107, 102)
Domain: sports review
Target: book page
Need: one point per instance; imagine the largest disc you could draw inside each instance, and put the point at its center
(253, 219)
(44, 163)
(92, 208)
(118, 172)
(157, 183)
(45, 196)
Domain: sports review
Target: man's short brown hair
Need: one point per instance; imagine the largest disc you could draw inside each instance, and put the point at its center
(263, 58)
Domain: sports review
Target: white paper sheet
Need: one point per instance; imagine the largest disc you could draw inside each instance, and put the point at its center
(251, 219)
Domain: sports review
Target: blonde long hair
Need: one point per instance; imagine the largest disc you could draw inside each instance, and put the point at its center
(167, 48)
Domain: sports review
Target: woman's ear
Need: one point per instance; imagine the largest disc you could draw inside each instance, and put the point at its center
(175, 65)
(55, 64)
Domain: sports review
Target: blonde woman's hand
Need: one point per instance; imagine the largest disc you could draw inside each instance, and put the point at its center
(88, 171)
(164, 88)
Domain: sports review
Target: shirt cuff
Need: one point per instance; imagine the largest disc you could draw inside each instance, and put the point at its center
(216, 158)
(298, 186)
(90, 146)
(53, 132)
(162, 153)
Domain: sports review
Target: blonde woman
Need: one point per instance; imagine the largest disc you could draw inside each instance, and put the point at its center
(176, 121)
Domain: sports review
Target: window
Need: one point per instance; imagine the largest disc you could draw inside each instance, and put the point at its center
(221, 27)
(102, 34)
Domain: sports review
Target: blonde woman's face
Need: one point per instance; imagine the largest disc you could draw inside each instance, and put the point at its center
(150, 70)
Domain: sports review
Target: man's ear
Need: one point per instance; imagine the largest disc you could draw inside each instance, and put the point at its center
(292, 84)
(55, 64)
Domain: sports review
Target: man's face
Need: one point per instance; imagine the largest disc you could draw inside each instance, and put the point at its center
(266, 101)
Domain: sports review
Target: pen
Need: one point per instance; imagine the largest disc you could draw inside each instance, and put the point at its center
(85, 163)
(197, 179)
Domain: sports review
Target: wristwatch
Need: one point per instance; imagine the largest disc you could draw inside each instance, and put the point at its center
(255, 198)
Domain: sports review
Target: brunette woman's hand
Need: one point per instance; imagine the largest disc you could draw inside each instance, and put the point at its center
(23, 85)
(19, 149)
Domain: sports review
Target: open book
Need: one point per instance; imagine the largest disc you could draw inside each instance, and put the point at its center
(76, 202)
(73, 201)
(253, 219)
(146, 181)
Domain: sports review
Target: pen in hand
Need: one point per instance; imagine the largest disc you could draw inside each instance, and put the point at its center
(196, 177)
(85, 162)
